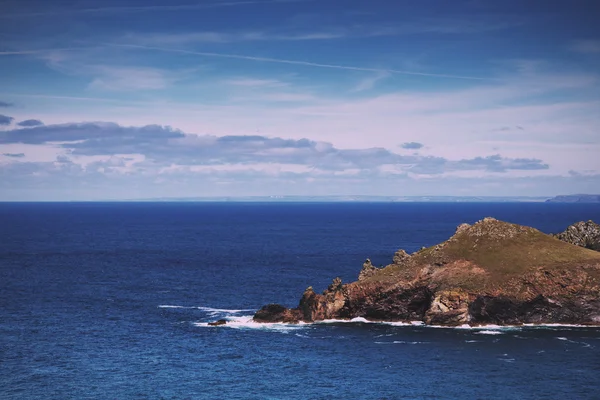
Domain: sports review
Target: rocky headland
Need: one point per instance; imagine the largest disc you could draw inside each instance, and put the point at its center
(491, 272)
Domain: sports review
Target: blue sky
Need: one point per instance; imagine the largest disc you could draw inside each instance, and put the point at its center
(138, 99)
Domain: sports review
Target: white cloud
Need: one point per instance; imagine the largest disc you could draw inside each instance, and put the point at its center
(130, 78)
(91, 63)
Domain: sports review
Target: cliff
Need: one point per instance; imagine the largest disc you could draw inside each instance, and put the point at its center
(489, 272)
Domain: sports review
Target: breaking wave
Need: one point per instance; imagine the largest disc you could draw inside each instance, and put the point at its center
(488, 332)
(209, 310)
(246, 322)
(242, 319)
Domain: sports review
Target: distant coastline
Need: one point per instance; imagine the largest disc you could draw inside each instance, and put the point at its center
(575, 198)
(351, 199)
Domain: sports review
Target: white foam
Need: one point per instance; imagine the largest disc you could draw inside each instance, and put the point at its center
(405, 342)
(585, 344)
(363, 320)
(476, 328)
(246, 322)
(209, 309)
(345, 321)
(410, 323)
(401, 342)
(560, 326)
(487, 332)
(400, 323)
(222, 310)
(491, 329)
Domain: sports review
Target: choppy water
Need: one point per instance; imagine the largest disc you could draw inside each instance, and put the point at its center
(112, 300)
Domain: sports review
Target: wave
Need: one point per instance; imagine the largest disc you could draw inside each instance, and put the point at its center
(234, 320)
(209, 309)
(491, 329)
(490, 332)
(222, 310)
(401, 342)
(361, 320)
(246, 322)
(559, 326)
(564, 339)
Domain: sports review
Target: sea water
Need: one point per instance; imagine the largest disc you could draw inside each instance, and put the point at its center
(112, 300)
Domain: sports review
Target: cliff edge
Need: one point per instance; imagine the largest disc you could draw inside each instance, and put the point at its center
(491, 272)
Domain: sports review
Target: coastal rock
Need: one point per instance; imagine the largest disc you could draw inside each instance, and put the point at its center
(218, 323)
(583, 234)
(401, 257)
(491, 272)
(462, 228)
(367, 270)
(317, 307)
(277, 313)
(449, 308)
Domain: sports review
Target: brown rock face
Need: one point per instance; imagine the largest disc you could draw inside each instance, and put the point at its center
(488, 272)
(449, 308)
(277, 313)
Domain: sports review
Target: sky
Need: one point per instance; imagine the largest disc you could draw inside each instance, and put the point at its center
(142, 99)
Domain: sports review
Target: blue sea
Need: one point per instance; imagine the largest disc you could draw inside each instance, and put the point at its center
(111, 301)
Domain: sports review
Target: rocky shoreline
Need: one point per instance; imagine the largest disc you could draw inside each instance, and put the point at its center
(491, 272)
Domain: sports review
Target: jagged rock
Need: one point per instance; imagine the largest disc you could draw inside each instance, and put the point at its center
(583, 234)
(367, 270)
(462, 228)
(488, 272)
(400, 257)
(449, 307)
(277, 313)
(317, 307)
(217, 323)
(336, 284)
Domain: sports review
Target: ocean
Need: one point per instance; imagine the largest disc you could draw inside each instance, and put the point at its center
(111, 301)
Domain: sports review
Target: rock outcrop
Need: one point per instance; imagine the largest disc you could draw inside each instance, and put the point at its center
(583, 234)
(488, 272)
(218, 322)
(367, 270)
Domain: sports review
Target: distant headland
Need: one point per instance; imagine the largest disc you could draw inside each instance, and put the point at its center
(575, 198)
